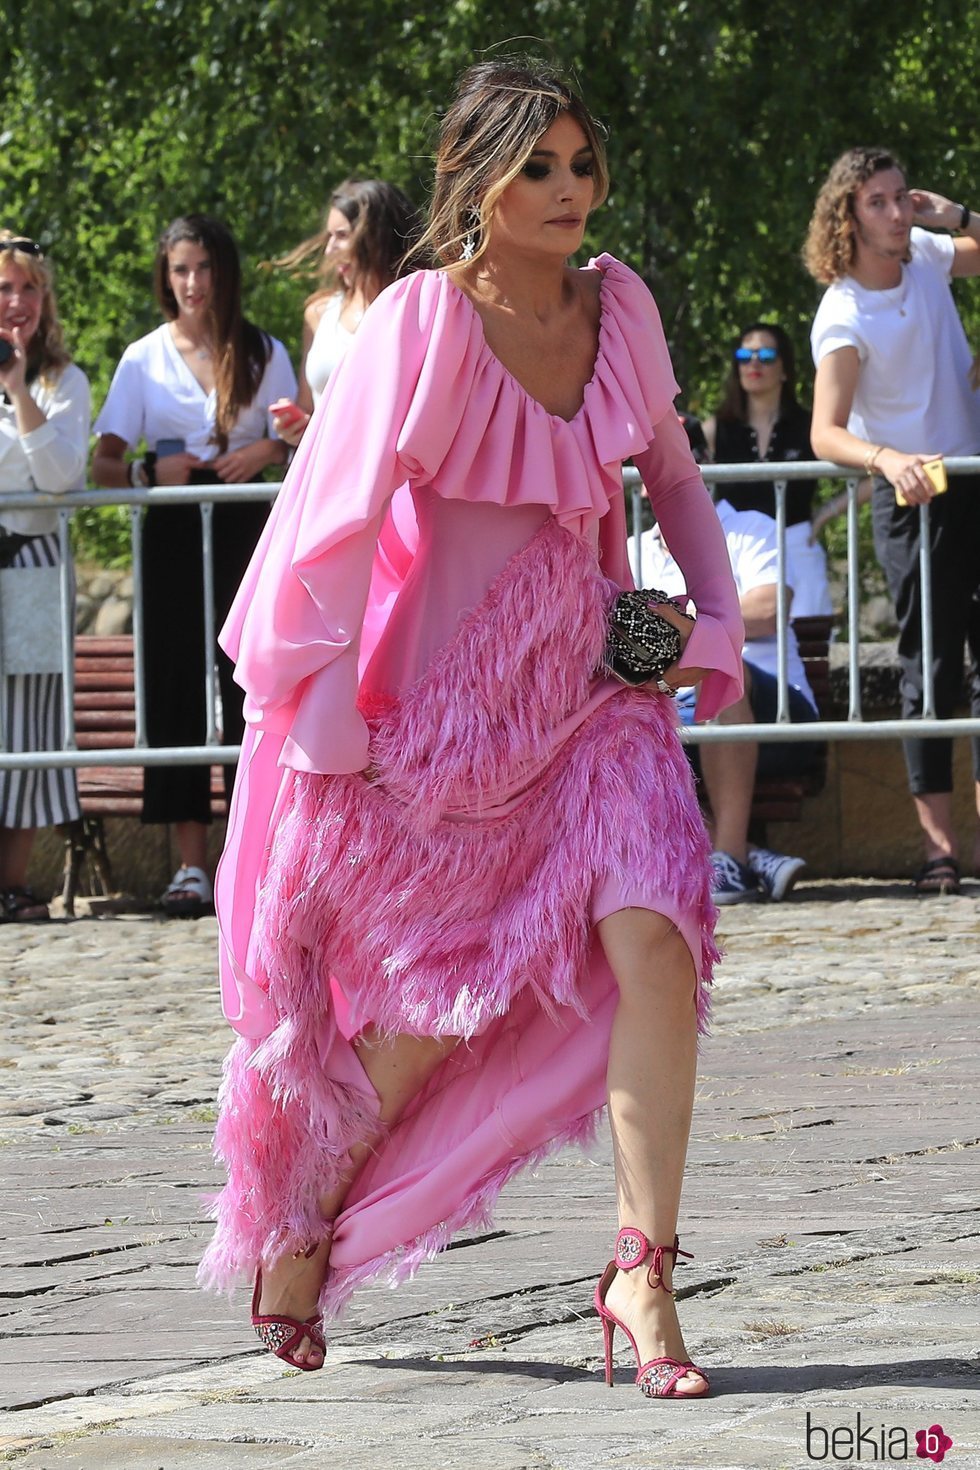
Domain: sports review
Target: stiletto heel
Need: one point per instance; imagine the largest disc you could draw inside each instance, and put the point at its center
(658, 1377)
(608, 1327)
(283, 1335)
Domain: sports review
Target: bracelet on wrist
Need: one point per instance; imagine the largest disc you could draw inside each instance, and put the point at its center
(965, 213)
(871, 458)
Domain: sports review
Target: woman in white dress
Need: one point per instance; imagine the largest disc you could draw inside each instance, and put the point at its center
(44, 428)
(369, 229)
(198, 391)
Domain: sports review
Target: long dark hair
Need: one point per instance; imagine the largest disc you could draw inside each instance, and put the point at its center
(734, 406)
(241, 350)
(385, 229)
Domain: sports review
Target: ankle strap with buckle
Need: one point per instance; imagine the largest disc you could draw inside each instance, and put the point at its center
(632, 1249)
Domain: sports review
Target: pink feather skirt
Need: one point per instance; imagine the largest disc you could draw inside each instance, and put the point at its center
(514, 799)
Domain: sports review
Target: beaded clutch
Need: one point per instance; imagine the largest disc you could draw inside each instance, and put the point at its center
(640, 643)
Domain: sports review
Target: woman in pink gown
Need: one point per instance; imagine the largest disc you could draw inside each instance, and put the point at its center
(464, 899)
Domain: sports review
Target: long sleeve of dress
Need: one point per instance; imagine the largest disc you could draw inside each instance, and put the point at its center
(294, 628)
(693, 532)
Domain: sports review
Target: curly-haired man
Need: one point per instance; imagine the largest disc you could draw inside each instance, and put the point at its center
(893, 390)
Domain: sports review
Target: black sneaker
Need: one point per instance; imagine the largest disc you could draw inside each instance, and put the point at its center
(732, 881)
(775, 871)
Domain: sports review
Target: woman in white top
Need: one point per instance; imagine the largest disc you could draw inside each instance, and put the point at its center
(198, 391)
(369, 229)
(44, 428)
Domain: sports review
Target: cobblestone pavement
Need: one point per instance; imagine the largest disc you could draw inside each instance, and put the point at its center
(831, 1203)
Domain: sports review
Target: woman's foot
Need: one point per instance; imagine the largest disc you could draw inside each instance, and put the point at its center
(291, 1288)
(938, 875)
(19, 905)
(651, 1316)
(189, 895)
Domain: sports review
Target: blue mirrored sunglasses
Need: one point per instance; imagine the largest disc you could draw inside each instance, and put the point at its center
(764, 354)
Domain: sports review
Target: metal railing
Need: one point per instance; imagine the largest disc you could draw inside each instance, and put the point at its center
(854, 727)
(212, 752)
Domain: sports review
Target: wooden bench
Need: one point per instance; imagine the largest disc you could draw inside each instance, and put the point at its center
(105, 719)
(780, 798)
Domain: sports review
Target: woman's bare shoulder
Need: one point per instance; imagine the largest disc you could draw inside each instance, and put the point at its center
(315, 308)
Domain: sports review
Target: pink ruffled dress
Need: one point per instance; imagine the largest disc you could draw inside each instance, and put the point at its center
(439, 793)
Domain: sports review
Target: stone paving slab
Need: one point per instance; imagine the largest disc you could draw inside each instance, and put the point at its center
(831, 1203)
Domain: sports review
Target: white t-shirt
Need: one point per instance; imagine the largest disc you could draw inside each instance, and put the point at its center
(52, 457)
(154, 395)
(752, 550)
(913, 391)
(328, 348)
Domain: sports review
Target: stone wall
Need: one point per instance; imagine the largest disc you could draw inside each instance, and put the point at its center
(104, 601)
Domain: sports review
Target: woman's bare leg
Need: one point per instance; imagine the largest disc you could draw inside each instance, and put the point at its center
(397, 1068)
(651, 1074)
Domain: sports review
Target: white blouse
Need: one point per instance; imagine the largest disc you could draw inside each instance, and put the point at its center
(154, 395)
(51, 458)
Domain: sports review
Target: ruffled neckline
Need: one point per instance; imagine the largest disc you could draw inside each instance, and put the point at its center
(604, 264)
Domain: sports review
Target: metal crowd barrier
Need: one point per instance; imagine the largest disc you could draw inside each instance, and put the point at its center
(213, 752)
(854, 727)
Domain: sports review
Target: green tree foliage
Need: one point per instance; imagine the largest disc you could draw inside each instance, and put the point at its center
(723, 117)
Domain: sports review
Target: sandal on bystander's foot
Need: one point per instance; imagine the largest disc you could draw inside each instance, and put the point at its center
(938, 875)
(189, 895)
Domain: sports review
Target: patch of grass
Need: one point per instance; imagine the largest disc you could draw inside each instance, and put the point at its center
(81, 1128)
(958, 1278)
(902, 1070)
(766, 1327)
(204, 1113)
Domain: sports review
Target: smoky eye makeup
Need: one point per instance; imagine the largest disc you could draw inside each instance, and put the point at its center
(539, 166)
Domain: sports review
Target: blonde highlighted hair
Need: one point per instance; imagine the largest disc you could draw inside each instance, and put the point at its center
(830, 246)
(46, 351)
(499, 113)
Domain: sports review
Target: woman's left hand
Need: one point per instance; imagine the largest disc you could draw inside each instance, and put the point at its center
(242, 466)
(675, 676)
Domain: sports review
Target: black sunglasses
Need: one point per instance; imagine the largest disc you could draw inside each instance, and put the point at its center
(764, 354)
(29, 247)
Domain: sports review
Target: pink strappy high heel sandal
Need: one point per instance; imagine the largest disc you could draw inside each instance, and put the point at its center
(657, 1378)
(283, 1335)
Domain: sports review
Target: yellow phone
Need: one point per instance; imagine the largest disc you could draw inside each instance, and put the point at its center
(936, 474)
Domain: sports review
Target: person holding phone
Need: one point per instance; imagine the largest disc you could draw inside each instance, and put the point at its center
(369, 229)
(44, 429)
(894, 390)
(198, 391)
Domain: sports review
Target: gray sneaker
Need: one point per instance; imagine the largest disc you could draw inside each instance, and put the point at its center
(776, 873)
(732, 881)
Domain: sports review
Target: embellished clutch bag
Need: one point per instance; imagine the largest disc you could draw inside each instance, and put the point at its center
(640, 643)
